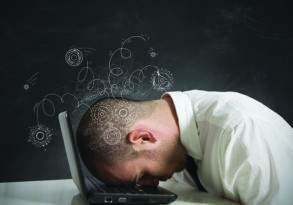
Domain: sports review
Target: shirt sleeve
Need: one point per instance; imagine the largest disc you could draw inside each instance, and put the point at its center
(247, 167)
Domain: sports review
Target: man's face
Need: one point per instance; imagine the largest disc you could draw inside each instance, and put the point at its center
(146, 169)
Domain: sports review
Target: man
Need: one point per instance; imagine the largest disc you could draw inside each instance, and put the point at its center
(243, 150)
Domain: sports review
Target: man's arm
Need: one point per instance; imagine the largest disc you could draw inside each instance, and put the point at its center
(249, 168)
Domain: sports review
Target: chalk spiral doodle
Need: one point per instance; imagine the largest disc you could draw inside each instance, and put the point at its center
(162, 80)
(74, 57)
(40, 135)
(115, 71)
(112, 136)
(47, 105)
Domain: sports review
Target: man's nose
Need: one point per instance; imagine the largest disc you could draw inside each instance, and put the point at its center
(148, 182)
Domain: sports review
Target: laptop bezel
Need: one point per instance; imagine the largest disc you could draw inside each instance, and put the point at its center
(71, 152)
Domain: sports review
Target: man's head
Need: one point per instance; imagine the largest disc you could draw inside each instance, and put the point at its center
(125, 142)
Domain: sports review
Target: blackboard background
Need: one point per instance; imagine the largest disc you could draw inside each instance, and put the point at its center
(243, 46)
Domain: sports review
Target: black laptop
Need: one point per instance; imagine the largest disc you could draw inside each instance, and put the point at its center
(97, 192)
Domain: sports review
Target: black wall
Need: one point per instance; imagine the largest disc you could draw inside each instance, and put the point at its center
(244, 46)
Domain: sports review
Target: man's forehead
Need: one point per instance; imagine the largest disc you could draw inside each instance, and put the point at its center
(123, 172)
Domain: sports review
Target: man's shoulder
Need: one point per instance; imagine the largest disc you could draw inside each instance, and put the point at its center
(223, 109)
(217, 95)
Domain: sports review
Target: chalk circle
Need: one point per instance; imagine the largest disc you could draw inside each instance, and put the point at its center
(82, 74)
(74, 57)
(125, 53)
(47, 103)
(101, 113)
(116, 71)
(26, 86)
(40, 135)
(112, 136)
(123, 112)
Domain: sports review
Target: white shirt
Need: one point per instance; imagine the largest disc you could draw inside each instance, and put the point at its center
(244, 150)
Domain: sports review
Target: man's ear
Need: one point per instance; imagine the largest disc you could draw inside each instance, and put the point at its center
(141, 137)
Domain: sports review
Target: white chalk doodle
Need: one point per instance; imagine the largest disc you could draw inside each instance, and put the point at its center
(47, 104)
(87, 51)
(74, 57)
(126, 82)
(85, 73)
(98, 86)
(101, 113)
(124, 112)
(152, 53)
(162, 80)
(112, 136)
(119, 80)
(116, 71)
(40, 135)
(29, 83)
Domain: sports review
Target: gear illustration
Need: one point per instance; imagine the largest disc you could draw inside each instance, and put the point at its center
(112, 136)
(101, 113)
(74, 57)
(162, 80)
(40, 135)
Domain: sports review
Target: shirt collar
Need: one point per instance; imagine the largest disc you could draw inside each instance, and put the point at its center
(187, 125)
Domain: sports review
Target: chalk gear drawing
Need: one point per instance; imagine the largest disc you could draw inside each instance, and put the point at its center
(162, 80)
(112, 136)
(113, 119)
(74, 57)
(40, 136)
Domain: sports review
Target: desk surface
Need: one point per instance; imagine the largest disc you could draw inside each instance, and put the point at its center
(64, 192)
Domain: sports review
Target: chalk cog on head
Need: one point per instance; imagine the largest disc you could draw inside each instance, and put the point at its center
(101, 113)
(112, 136)
(125, 112)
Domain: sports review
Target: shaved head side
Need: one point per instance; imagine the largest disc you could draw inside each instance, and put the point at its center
(102, 132)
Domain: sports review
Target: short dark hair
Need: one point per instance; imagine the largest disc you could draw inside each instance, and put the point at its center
(103, 129)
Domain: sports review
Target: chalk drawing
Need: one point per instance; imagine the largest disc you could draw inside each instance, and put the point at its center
(29, 83)
(112, 136)
(152, 53)
(47, 105)
(101, 113)
(118, 79)
(40, 136)
(74, 57)
(162, 80)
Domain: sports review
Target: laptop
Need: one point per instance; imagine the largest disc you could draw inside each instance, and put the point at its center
(97, 192)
